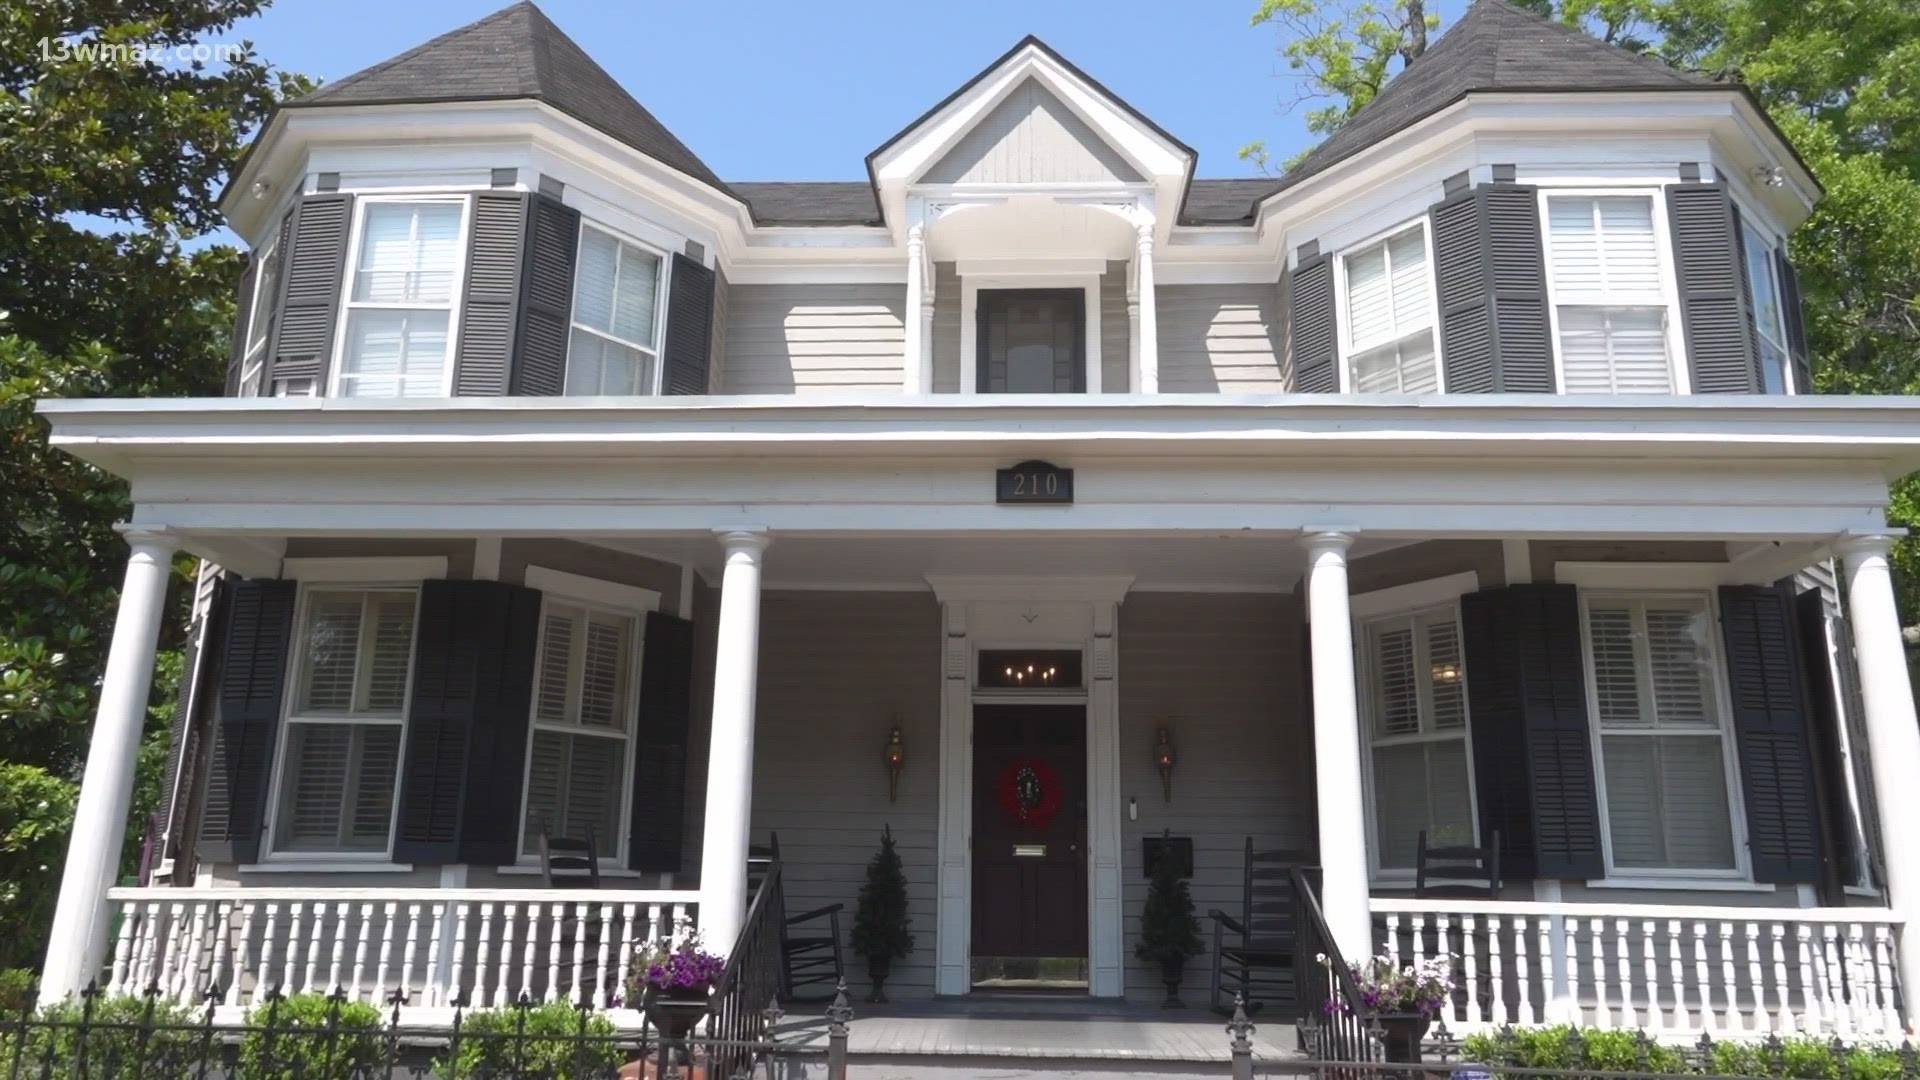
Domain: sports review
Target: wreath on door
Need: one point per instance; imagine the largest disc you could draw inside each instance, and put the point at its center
(1029, 793)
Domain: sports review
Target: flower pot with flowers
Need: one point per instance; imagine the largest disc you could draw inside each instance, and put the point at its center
(1404, 999)
(673, 983)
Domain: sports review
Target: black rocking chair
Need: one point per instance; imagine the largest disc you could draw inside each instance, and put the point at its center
(811, 961)
(1457, 873)
(1256, 955)
(567, 863)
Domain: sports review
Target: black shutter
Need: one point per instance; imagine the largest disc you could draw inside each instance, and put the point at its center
(1715, 308)
(689, 348)
(313, 272)
(1315, 351)
(201, 654)
(253, 677)
(1532, 754)
(1491, 280)
(488, 310)
(1796, 324)
(242, 313)
(660, 746)
(1770, 721)
(467, 722)
(546, 297)
(1841, 863)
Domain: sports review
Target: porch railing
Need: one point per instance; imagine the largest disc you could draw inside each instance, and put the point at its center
(1667, 969)
(1335, 1021)
(432, 947)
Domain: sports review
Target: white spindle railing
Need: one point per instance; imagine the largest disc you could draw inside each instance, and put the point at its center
(437, 947)
(1672, 970)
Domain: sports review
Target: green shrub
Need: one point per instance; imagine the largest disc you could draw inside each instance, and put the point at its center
(1806, 1057)
(16, 989)
(1802, 1057)
(494, 1042)
(115, 1044)
(311, 1037)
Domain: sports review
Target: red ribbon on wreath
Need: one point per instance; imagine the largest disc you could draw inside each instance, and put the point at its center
(1029, 792)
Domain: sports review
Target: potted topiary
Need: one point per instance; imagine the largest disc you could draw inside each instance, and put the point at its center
(880, 923)
(1169, 934)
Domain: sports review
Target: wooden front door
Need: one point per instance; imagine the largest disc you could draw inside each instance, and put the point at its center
(1030, 831)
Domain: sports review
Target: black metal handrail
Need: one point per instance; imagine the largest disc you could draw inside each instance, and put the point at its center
(1330, 1003)
(745, 998)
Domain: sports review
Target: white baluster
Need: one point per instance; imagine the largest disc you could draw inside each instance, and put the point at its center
(314, 938)
(1569, 931)
(1393, 939)
(269, 937)
(530, 950)
(455, 978)
(601, 991)
(1495, 970)
(682, 924)
(223, 932)
(1733, 1021)
(191, 971)
(553, 950)
(390, 914)
(409, 951)
(288, 964)
(1703, 975)
(1883, 984)
(658, 929)
(1417, 927)
(1757, 976)
(1597, 935)
(360, 946)
(1524, 1011)
(1682, 1021)
(508, 916)
(627, 913)
(579, 953)
(122, 949)
(1859, 979)
(1623, 953)
(243, 953)
(171, 958)
(435, 989)
(1650, 963)
(1810, 983)
(479, 999)
(1783, 1017)
(336, 962)
(1549, 1007)
(1836, 988)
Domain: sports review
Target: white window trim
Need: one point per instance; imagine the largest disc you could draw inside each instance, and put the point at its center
(1776, 249)
(356, 234)
(1625, 580)
(253, 362)
(1343, 326)
(1677, 358)
(658, 346)
(990, 275)
(628, 600)
(358, 570)
(1411, 599)
(296, 665)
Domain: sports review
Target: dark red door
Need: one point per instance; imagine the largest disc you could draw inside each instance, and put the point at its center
(1029, 831)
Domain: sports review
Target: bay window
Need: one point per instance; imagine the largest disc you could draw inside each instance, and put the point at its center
(1388, 300)
(1769, 309)
(1416, 710)
(340, 758)
(400, 298)
(1609, 294)
(583, 709)
(1653, 675)
(613, 346)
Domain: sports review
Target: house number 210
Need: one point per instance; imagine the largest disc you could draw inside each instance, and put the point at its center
(1034, 482)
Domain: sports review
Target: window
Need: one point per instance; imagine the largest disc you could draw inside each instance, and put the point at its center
(1417, 734)
(400, 301)
(1609, 294)
(266, 288)
(341, 758)
(583, 707)
(1662, 752)
(616, 305)
(1389, 304)
(1769, 309)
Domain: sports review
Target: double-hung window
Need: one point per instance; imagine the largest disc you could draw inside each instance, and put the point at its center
(1769, 308)
(340, 762)
(1654, 677)
(1417, 733)
(1389, 308)
(266, 287)
(401, 298)
(614, 347)
(583, 710)
(1609, 294)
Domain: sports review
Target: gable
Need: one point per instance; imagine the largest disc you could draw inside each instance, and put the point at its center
(1032, 137)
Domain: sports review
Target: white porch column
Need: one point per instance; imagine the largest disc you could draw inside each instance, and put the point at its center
(723, 851)
(918, 309)
(1893, 738)
(1149, 332)
(1336, 747)
(77, 945)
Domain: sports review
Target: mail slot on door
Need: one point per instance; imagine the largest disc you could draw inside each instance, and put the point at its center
(1029, 851)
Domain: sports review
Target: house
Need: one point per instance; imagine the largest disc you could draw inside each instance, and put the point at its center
(1034, 498)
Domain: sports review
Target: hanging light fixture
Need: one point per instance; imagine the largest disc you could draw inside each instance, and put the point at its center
(896, 760)
(1163, 761)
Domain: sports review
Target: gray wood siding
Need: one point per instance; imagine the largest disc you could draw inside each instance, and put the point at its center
(1544, 553)
(1426, 561)
(837, 670)
(796, 339)
(1031, 137)
(946, 328)
(1116, 358)
(1219, 339)
(1222, 672)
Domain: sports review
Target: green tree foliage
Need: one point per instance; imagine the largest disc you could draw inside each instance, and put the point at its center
(110, 168)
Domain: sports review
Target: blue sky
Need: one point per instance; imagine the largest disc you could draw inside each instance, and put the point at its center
(766, 91)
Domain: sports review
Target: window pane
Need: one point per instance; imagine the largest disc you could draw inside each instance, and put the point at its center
(546, 788)
(1766, 300)
(574, 784)
(1389, 290)
(407, 253)
(1667, 802)
(1420, 786)
(1395, 689)
(332, 651)
(387, 669)
(556, 662)
(603, 676)
(394, 354)
(633, 306)
(1614, 350)
(1616, 672)
(1678, 659)
(337, 787)
(1403, 367)
(1603, 245)
(1369, 297)
(598, 366)
(266, 288)
(593, 280)
(1444, 671)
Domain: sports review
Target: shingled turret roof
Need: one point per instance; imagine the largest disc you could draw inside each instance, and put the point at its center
(515, 53)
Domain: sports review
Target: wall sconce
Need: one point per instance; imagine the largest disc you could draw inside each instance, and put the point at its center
(896, 760)
(1163, 761)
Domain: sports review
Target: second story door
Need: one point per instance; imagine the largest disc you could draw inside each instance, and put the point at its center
(1032, 341)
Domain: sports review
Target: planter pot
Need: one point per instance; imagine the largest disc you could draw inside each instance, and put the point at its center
(1172, 970)
(1403, 1036)
(878, 968)
(674, 1014)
